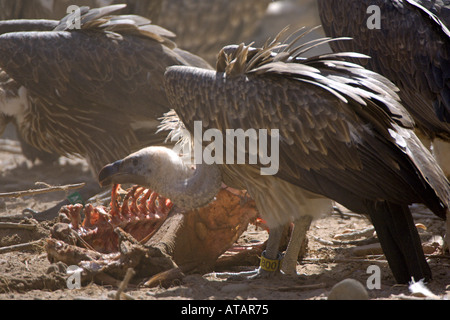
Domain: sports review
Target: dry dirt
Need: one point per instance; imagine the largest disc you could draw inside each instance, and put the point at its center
(27, 274)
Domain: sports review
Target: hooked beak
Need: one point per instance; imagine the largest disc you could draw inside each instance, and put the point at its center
(110, 173)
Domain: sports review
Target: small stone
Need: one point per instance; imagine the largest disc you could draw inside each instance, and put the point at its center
(348, 289)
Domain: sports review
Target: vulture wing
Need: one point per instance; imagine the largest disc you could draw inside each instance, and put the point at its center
(341, 128)
(412, 49)
(98, 90)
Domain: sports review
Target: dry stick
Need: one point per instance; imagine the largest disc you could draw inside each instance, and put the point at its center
(124, 284)
(83, 242)
(368, 232)
(341, 260)
(17, 194)
(21, 246)
(11, 225)
(346, 242)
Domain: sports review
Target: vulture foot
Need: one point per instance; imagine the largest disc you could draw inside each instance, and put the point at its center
(268, 268)
(244, 275)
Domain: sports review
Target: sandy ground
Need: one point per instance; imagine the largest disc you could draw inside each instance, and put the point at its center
(27, 274)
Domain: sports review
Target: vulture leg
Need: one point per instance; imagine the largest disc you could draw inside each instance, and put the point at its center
(271, 253)
(298, 236)
(270, 258)
(400, 241)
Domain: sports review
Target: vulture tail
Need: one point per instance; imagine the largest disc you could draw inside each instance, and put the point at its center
(400, 241)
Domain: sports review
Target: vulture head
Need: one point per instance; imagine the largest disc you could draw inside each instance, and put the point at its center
(163, 171)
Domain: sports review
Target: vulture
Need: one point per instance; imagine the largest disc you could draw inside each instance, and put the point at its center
(341, 135)
(95, 92)
(411, 47)
(45, 9)
(9, 88)
(202, 27)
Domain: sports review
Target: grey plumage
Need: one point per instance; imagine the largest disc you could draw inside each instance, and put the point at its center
(41, 9)
(95, 92)
(202, 27)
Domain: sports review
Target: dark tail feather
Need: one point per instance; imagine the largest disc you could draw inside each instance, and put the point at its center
(400, 241)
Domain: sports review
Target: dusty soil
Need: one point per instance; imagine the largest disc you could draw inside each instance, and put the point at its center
(27, 273)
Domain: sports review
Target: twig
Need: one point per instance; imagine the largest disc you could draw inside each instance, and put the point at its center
(344, 242)
(11, 225)
(124, 284)
(368, 232)
(332, 260)
(83, 242)
(21, 246)
(17, 194)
